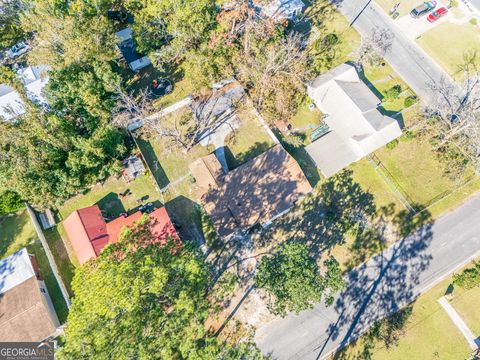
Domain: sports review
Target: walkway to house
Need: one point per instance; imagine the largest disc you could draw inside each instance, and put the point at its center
(473, 341)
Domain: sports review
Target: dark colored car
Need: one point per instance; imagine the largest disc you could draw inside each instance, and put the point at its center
(420, 10)
(437, 14)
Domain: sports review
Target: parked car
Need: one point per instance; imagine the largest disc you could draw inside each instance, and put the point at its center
(17, 50)
(437, 14)
(423, 9)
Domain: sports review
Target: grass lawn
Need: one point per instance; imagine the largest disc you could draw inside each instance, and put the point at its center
(466, 304)
(168, 161)
(181, 90)
(448, 42)
(349, 38)
(107, 198)
(16, 232)
(50, 281)
(456, 198)
(365, 174)
(248, 141)
(429, 333)
(415, 168)
(382, 79)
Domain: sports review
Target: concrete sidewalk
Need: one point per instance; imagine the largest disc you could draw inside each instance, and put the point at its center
(472, 340)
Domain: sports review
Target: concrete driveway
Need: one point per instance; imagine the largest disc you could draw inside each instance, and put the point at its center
(414, 28)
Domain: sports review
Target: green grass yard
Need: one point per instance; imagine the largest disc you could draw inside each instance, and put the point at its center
(106, 195)
(429, 332)
(365, 174)
(448, 42)
(382, 79)
(249, 140)
(16, 232)
(50, 281)
(349, 38)
(416, 169)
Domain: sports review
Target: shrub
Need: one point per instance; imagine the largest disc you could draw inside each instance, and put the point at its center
(473, 21)
(331, 39)
(468, 278)
(409, 101)
(407, 136)
(392, 144)
(453, 3)
(9, 202)
(294, 140)
(393, 92)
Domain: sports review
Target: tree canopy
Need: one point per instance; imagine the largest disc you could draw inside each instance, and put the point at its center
(292, 279)
(142, 300)
(11, 30)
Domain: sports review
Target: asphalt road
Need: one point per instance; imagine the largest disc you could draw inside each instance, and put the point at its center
(405, 56)
(380, 287)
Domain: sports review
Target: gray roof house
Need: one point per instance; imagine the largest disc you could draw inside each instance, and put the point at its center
(356, 126)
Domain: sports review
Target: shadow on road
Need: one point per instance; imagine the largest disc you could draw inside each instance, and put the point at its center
(384, 285)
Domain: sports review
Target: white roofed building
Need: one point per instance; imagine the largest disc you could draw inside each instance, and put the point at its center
(280, 9)
(34, 78)
(356, 126)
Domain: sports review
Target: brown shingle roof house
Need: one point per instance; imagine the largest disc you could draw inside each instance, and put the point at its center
(256, 192)
(26, 310)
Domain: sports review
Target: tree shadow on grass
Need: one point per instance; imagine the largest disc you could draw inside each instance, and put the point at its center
(383, 333)
(324, 218)
(154, 164)
(111, 206)
(386, 283)
(185, 215)
(253, 151)
(59, 250)
(299, 153)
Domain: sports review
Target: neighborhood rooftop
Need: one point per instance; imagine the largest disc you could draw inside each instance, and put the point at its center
(254, 193)
(89, 233)
(26, 310)
(356, 126)
(34, 79)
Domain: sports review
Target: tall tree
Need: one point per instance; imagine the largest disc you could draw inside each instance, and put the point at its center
(45, 158)
(274, 67)
(292, 279)
(455, 117)
(85, 93)
(11, 30)
(142, 300)
(69, 32)
(168, 29)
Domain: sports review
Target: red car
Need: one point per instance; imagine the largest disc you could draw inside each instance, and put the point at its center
(437, 14)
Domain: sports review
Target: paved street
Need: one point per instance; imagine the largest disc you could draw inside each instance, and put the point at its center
(380, 287)
(405, 57)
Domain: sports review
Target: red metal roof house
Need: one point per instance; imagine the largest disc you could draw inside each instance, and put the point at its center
(89, 233)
